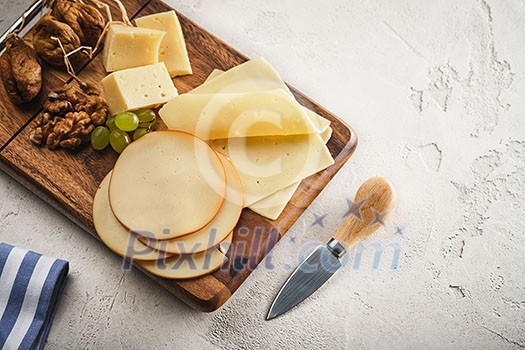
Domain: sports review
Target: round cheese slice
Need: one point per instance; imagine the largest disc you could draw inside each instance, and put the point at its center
(189, 265)
(218, 229)
(113, 234)
(167, 184)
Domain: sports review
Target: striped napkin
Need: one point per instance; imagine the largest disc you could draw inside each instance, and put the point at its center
(30, 285)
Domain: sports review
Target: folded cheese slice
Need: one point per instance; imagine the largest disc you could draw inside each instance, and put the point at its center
(270, 163)
(254, 75)
(226, 115)
(272, 206)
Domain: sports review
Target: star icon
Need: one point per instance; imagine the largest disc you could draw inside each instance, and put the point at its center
(292, 239)
(354, 208)
(319, 220)
(399, 231)
(379, 218)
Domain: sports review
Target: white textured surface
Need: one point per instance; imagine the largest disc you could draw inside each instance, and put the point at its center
(436, 92)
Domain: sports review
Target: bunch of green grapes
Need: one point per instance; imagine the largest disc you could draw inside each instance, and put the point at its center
(122, 129)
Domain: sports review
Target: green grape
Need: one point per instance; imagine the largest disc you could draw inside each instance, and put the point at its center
(146, 117)
(127, 121)
(100, 138)
(110, 123)
(140, 132)
(119, 140)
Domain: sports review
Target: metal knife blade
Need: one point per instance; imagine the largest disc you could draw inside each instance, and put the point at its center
(309, 276)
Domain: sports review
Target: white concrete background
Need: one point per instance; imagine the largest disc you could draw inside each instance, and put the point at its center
(436, 92)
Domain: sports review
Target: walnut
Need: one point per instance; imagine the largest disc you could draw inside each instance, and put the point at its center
(58, 106)
(70, 115)
(48, 48)
(85, 20)
(42, 126)
(96, 107)
(71, 131)
(20, 70)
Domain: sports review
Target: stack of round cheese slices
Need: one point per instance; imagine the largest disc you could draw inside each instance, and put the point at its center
(170, 204)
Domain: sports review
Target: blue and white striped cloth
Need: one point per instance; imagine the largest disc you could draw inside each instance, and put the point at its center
(30, 285)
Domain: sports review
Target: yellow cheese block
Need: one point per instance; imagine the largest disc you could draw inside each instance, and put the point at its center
(173, 47)
(217, 116)
(270, 163)
(140, 87)
(189, 265)
(115, 236)
(251, 76)
(167, 184)
(129, 47)
(218, 229)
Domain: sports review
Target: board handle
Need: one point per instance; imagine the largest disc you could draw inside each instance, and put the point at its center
(373, 204)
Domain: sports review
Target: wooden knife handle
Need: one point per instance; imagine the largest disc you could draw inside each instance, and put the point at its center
(374, 202)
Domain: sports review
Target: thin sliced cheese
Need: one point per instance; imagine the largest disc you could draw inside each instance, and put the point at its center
(189, 265)
(326, 135)
(218, 229)
(269, 164)
(273, 205)
(114, 235)
(217, 116)
(167, 184)
(251, 76)
(214, 74)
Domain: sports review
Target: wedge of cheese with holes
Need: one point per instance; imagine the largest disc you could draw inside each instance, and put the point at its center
(217, 116)
(140, 87)
(172, 49)
(270, 163)
(272, 206)
(253, 75)
(129, 47)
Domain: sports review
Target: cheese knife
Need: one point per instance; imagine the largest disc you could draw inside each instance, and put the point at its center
(374, 202)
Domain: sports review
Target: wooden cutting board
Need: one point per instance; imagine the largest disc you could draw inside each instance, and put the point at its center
(68, 180)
